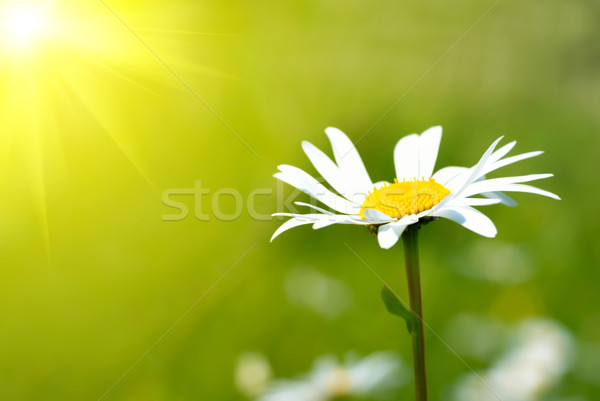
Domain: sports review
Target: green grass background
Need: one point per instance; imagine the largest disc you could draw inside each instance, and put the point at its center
(91, 277)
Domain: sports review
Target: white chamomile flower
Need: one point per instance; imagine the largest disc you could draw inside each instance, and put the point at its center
(417, 193)
(371, 377)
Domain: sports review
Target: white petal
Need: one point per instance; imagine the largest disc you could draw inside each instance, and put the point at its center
(445, 202)
(444, 175)
(309, 217)
(469, 218)
(471, 175)
(504, 199)
(493, 184)
(348, 159)
(389, 234)
(314, 207)
(487, 156)
(306, 183)
(509, 160)
(428, 151)
(376, 215)
(291, 223)
(334, 218)
(347, 219)
(327, 168)
(458, 181)
(500, 153)
(526, 188)
(340, 219)
(317, 220)
(406, 157)
(474, 202)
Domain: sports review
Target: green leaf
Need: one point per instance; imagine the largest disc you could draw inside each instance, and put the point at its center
(396, 307)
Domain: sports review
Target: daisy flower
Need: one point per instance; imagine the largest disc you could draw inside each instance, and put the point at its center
(372, 376)
(417, 194)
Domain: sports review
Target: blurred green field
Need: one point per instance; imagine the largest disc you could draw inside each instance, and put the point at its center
(100, 298)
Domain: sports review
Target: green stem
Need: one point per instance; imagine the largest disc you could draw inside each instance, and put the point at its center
(411, 252)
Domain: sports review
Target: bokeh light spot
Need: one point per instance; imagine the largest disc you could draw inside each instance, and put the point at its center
(23, 23)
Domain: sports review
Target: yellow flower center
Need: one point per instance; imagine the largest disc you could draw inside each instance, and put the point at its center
(404, 198)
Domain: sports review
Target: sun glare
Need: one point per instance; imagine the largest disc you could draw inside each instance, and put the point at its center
(70, 71)
(23, 23)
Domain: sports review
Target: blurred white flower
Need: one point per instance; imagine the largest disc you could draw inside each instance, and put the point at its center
(539, 357)
(316, 291)
(372, 376)
(252, 374)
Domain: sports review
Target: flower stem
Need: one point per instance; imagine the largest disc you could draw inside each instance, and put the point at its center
(411, 252)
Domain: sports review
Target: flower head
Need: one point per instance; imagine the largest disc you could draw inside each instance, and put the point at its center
(416, 194)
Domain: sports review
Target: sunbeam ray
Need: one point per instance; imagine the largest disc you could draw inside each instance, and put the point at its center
(60, 58)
